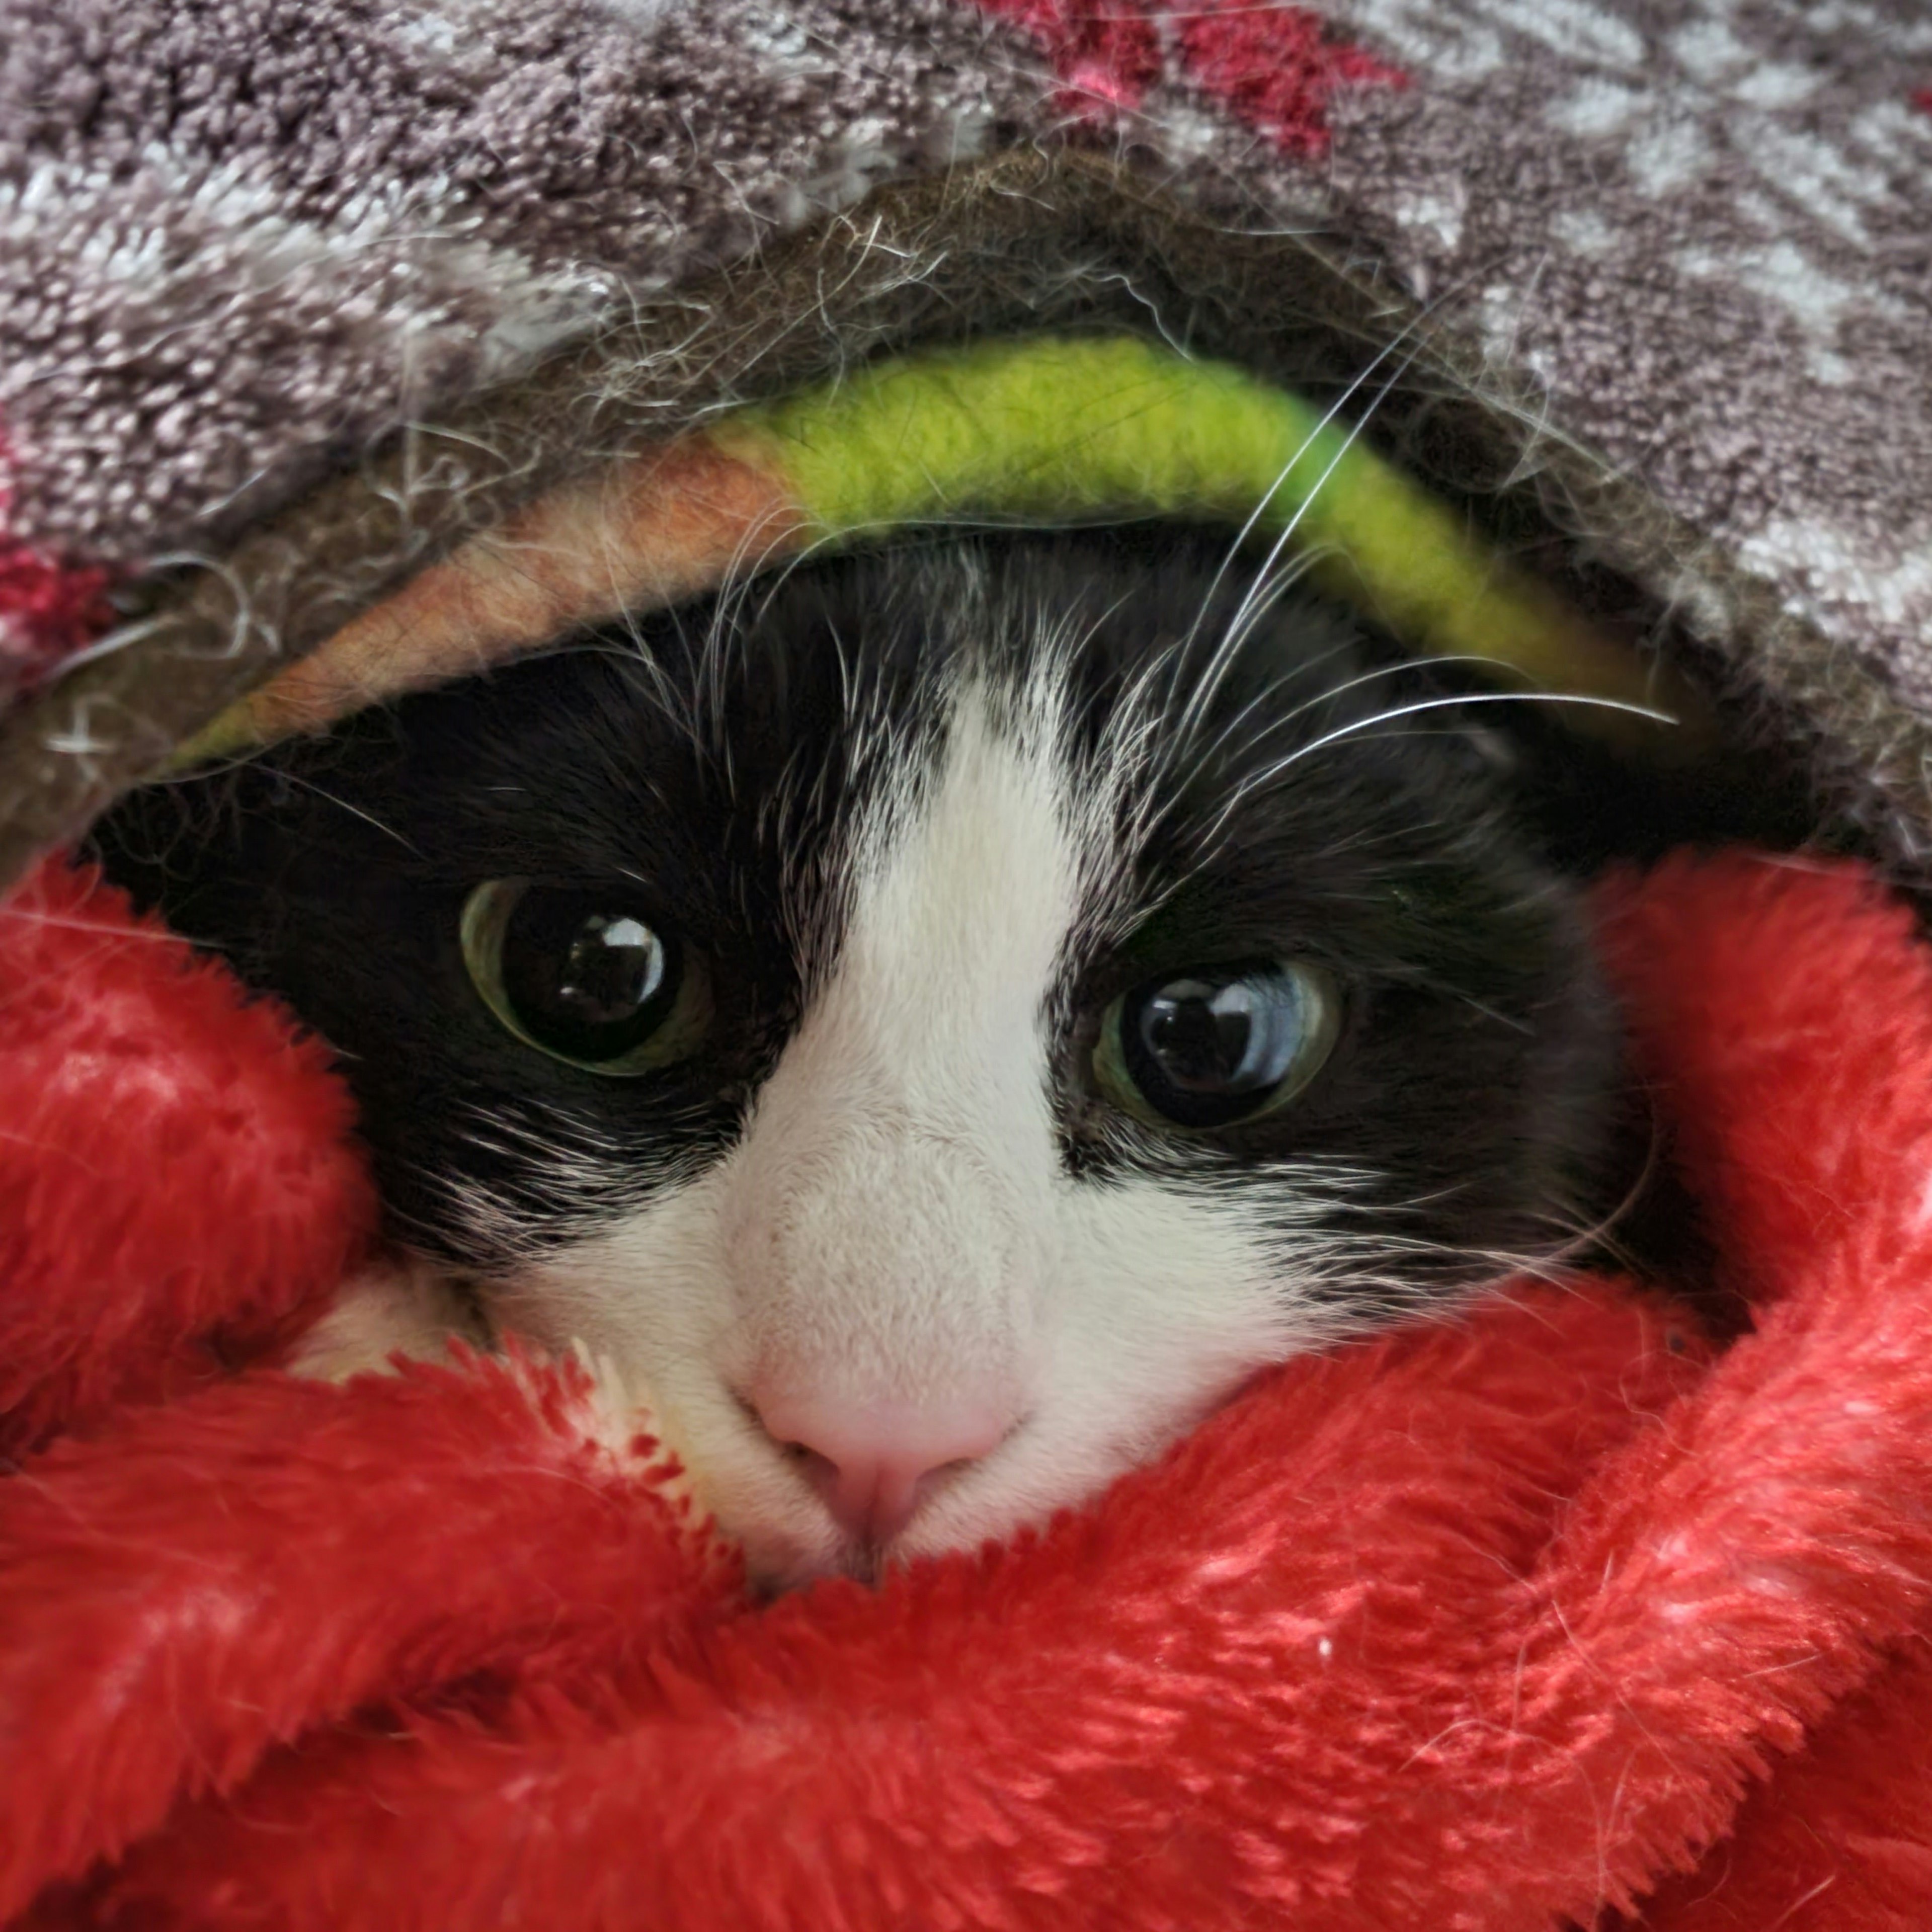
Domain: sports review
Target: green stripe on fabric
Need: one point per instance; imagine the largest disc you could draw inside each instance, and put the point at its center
(1055, 430)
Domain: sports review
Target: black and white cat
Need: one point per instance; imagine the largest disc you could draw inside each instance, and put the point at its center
(938, 1020)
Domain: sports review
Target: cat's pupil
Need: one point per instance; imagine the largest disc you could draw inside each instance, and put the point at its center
(1236, 1037)
(1210, 1047)
(585, 980)
(613, 966)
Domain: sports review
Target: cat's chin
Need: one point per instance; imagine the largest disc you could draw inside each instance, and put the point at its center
(766, 1583)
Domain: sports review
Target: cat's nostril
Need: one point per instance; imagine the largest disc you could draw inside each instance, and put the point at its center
(819, 1470)
(873, 1463)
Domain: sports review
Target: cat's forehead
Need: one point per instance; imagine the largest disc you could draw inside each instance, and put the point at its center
(796, 728)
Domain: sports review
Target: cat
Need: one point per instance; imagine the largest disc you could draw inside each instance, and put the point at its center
(939, 1018)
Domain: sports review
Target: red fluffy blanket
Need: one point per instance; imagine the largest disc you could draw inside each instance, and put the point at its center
(1554, 1611)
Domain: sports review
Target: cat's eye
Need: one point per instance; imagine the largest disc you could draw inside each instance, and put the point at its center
(582, 975)
(1212, 1047)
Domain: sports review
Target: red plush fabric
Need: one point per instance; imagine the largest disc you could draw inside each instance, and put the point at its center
(177, 1188)
(1554, 1611)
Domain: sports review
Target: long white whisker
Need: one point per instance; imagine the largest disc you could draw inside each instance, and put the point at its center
(1415, 322)
(1269, 774)
(1648, 712)
(1237, 624)
(1327, 695)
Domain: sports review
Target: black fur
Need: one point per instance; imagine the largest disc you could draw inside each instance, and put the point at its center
(717, 759)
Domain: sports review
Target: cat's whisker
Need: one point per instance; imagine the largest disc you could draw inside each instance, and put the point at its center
(1413, 327)
(1236, 628)
(1271, 774)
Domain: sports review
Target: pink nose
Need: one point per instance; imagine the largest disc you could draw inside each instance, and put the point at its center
(874, 1463)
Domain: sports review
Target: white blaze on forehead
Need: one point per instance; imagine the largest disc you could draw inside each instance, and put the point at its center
(891, 1188)
(962, 901)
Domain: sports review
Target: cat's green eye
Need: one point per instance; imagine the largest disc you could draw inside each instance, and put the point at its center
(1218, 1046)
(579, 975)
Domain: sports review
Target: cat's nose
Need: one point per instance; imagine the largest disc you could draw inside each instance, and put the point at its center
(873, 1463)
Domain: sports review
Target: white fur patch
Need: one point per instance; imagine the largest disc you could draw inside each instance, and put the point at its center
(403, 1307)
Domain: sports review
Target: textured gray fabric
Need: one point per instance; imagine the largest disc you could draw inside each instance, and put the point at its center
(240, 239)
(1706, 232)
(236, 235)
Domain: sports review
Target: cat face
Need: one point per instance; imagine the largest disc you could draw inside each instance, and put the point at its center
(938, 1022)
